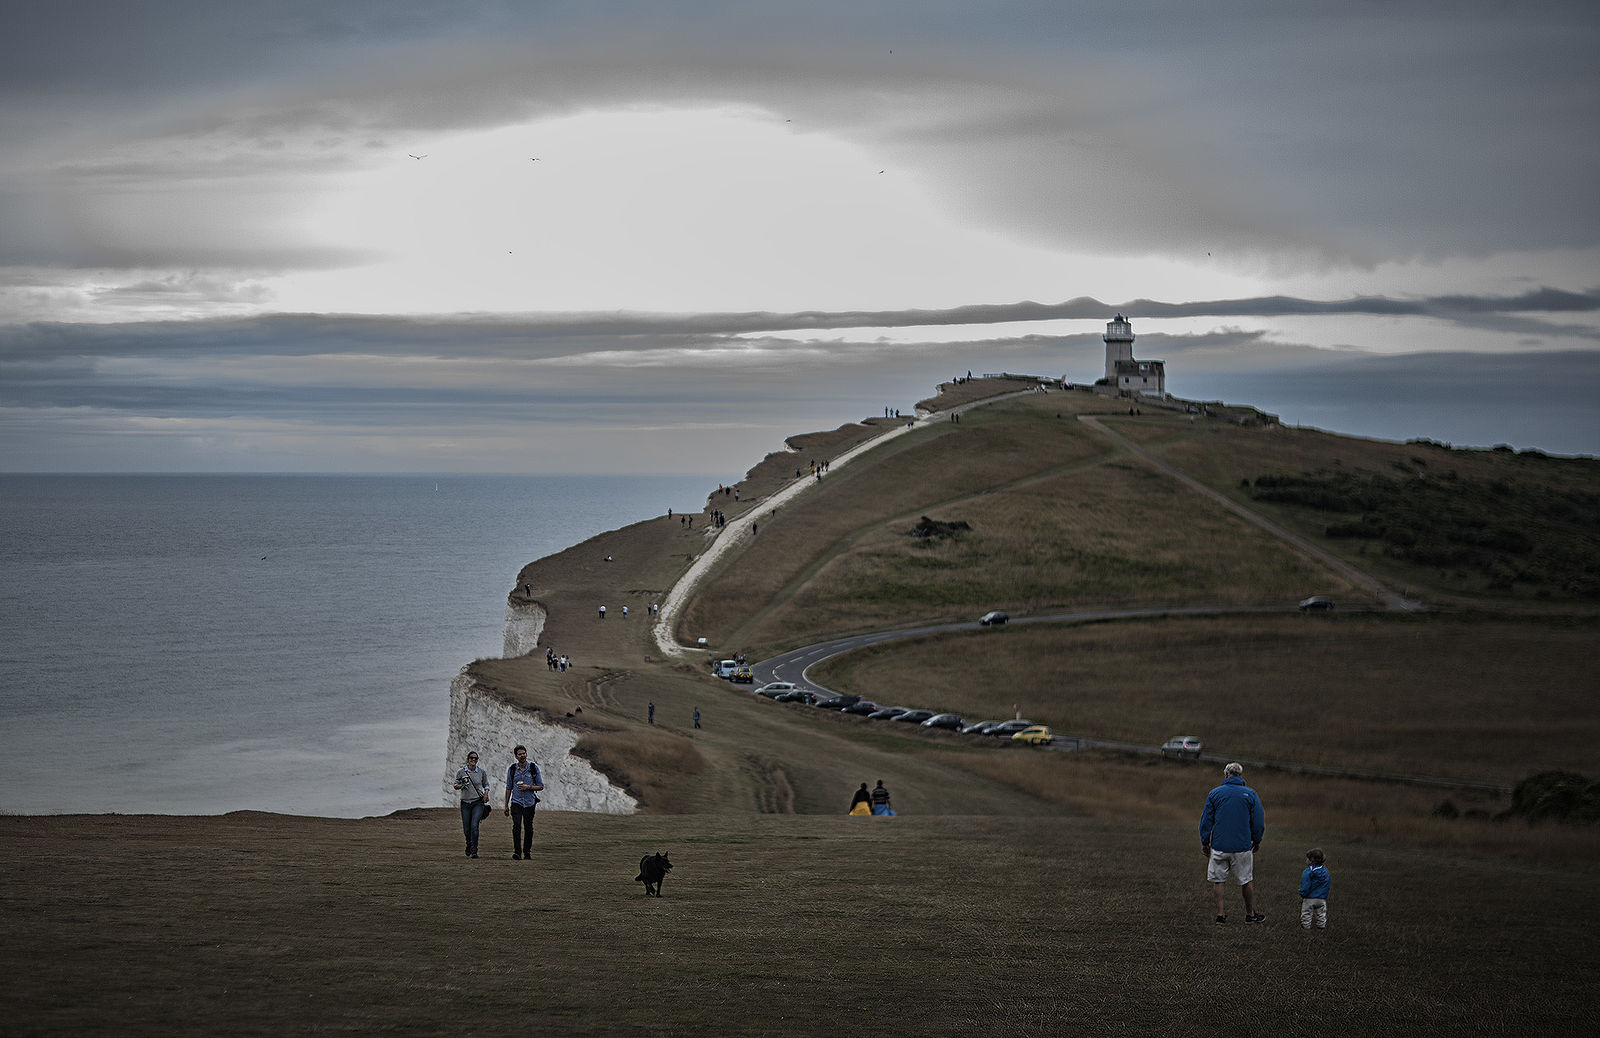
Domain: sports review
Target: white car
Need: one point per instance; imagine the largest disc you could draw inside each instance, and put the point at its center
(774, 689)
(1181, 746)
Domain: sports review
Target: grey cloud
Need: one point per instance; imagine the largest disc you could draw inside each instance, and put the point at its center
(559, 335)
(1245, 128)
(558, 384)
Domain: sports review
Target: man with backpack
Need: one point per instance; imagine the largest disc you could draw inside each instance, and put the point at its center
(523, 783)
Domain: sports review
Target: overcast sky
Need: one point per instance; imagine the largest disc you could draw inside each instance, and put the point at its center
(628, 237)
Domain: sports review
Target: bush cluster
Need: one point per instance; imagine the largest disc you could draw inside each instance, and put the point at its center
(929, 529)
(1561, 796)
(1504, 532)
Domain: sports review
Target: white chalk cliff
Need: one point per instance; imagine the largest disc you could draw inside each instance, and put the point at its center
(485, 723)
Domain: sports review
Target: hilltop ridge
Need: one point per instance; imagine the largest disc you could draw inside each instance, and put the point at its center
(1058, 515)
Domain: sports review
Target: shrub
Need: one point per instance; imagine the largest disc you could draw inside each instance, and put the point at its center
(1562, 796)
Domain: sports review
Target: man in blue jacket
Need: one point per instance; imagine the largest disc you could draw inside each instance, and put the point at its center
(1230, 833)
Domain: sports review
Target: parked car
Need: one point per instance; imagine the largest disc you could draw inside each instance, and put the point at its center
(979, 727)
(915, 716)
(774, 689)
(838, 702)
(1034, 735)
(993, 619)
(950, 721)
(742, 676)
(1316, 604)
(724, 668)
(799, 695)
(865, 708)
(1006, 729)
(1181, 746)
(888, 713)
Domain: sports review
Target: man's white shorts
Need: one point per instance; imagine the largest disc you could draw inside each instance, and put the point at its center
(1241, 865)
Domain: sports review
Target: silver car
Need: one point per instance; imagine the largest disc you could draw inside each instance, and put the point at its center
(1181, 746)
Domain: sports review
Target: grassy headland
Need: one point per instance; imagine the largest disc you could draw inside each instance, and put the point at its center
(1020, 891)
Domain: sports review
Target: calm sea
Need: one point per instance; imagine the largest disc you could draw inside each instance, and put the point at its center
(203, 644)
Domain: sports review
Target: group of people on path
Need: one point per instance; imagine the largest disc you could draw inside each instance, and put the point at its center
(553, 661)
(1231, 826)
(873, 802)
(524, 782)
(650, 610)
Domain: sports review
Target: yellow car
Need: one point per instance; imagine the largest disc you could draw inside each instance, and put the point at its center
(1034, 735)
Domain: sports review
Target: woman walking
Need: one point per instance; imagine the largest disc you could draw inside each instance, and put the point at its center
(473, 782)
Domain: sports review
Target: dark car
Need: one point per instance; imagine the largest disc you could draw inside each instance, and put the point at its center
(950, 721)
(838, 702)
(917, 716)
(979, 727)
(799, 695)
(1006, 729)
(1316, 604)
(865, 707)
(888, 713)
(993, 619)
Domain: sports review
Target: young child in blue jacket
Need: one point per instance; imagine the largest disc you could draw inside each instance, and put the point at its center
(1314, 886)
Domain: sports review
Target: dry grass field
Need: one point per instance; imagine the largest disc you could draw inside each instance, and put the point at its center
(254, 924)
(1468, 698)
(1058, 517)
(1020, 891)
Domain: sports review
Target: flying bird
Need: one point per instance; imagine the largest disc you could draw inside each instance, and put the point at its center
(417, 156)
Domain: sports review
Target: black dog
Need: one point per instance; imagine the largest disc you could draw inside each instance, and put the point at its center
(653, 868)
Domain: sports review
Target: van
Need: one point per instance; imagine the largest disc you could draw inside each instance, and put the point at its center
(725, 668)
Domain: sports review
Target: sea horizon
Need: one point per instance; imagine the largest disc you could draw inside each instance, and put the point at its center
(199, 643)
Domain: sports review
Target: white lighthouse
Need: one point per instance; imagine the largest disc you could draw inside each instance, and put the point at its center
(1131, 377)
(1119, 345)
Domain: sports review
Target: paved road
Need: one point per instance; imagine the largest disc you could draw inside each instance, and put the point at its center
(792, 666)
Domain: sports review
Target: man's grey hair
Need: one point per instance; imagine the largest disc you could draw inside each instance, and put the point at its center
(1234, 769)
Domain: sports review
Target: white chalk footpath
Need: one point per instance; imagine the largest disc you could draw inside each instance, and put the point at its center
(738, 529)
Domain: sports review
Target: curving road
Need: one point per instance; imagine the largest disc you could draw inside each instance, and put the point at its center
(792, 666)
